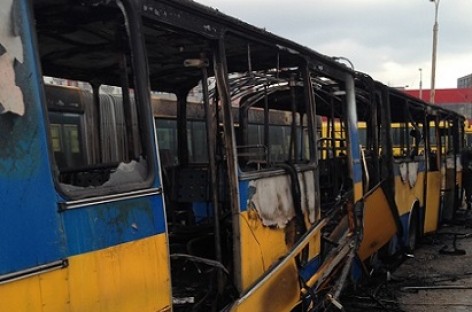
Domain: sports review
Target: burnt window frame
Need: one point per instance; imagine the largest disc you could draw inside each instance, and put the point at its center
(138, 62)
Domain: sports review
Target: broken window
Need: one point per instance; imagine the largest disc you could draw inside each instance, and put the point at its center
(273, 126)
(97, 127)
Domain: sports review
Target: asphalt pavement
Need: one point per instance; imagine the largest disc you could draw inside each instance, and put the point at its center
(437, 277)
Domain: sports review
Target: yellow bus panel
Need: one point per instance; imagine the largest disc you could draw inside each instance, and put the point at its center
(125, 277)
(379, 224)
(433, 191)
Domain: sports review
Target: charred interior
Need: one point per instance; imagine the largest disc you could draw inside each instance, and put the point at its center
(158, 155)
(90, 46)
(284, 117)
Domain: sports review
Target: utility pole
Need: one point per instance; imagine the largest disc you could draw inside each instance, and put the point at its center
(435, 45)
(421, 83)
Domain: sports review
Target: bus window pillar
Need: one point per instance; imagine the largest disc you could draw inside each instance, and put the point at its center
(221, 73)
(354, 151)
(293, 155)
(182, 146)
(128, 113)
(96, 155)
(211, 138)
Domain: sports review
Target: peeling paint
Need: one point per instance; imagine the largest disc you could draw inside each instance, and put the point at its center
(11, 52)
(307, 188)
(409, 172)
(272, 199)
(413, 173)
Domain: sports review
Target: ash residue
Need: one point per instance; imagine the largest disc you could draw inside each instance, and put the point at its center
(437, 278)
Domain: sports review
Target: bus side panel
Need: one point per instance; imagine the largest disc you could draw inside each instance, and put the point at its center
(260, 247)
(128, 277)
(103, 225)
(405, 193)
(433, 194)
(419, 187)
(280, 293)
(379, 224)
(125, 277)
(267, 223)
(448, 188)
(44, 292)
(409, 191)
(30, 234)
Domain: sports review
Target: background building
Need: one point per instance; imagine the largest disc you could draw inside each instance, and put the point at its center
(458, 100)
(464, 82)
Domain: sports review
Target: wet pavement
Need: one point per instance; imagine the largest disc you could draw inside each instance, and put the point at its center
(438, 277)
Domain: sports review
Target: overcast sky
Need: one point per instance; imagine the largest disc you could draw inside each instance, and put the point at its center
(388, 39)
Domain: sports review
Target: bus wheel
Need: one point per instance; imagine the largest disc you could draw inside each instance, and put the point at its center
(412, 232)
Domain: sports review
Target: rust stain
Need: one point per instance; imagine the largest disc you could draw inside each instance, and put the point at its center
(281, 291)
(373, 244)
(290, 233)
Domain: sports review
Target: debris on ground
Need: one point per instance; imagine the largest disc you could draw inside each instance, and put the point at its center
(438, 277)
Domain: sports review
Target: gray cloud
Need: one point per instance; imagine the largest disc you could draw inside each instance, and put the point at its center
(389, 39)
